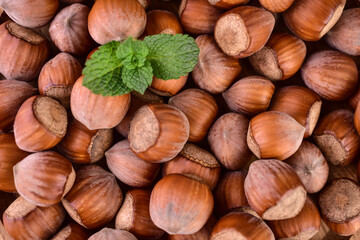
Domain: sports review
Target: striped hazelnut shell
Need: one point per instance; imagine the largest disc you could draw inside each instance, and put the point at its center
(96, 111)
(40, 124)
(22, 52)
(94, 198)
(311, 20)
(198, 16)
(158, 132)
(30, 13)
(82, 145)
(331, 74)
(336, 136)
(69, 30)
(44, 178)
(242, 31)
(279, 195)
(280, 58)
(10, 155)
(300, 103)
(274, 134)
(24, 221)
(12, 95)
(115, 20)
(250, 95)
(58, 76)
(200, 109)
(215, 71)
(303, 226)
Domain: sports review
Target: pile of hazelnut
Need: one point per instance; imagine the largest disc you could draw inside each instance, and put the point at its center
(260, 141)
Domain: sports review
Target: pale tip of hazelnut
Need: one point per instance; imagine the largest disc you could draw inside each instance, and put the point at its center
(333, 150)
(199, 155)
(265, 62)
(51, 114)
(313, 116)
(252, 144)
(293, 199)
(24, 33)
(70, 181)
(100, 143)
(125, 217)
(333, 20)
(19, 208)
(232, 44)
(144, 130)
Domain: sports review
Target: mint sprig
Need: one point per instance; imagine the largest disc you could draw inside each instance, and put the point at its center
(119, 68)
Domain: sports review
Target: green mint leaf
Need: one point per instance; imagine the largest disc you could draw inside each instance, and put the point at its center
(132, 53)
(172, 56)
(102, 73)
(138, 78)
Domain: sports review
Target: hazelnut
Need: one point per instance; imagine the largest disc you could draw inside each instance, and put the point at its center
(202, 234)
(250, 95)
(58, 76)
(244, 30)
(331, 74)
(40, 124)
(24, 221)
(158, 132)
(30, 13)
(198, 16)
(237, 225)
(280, 58)
(110, 234)
(339, 206)
(215, 71)
(22, 51)
(342, 35)
(195, 161)
(276, 6)
(84, 146)
(311, 20)
(134, 215)
(12, 95)
(43, 178)
(227, 140)
(200, 109)
(303, 226)
(180, 205)
(115, 20)
(225, 197)
(311, 166)
(137, 100)
(95, 197)
(73, 231)
(337, 138)
(274, 190)
(227, 4)
(129, 168)
(300, 103)
(97, 111)
(162, 21)
(69, 30)
(10, 155)
(274, 134)
(168, 88)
